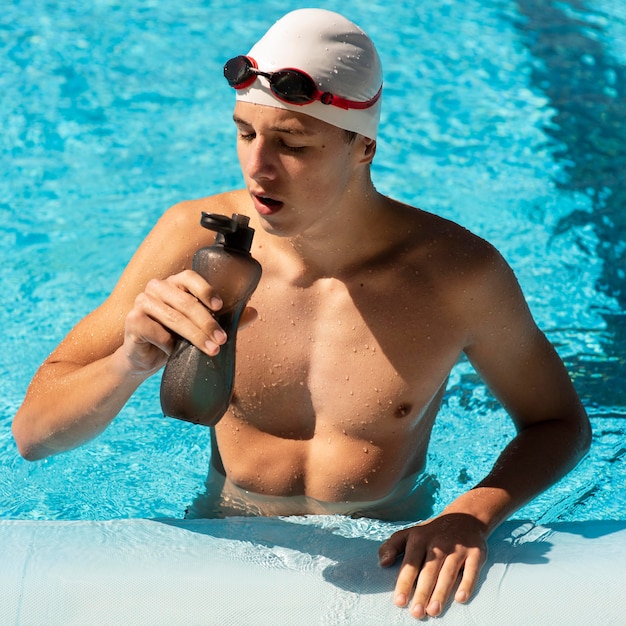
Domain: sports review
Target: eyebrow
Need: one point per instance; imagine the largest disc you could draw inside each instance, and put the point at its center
(279, 129)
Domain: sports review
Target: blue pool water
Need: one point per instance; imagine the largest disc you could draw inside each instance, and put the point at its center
(508, 116)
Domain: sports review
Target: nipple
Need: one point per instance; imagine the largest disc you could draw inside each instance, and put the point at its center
(402, 410)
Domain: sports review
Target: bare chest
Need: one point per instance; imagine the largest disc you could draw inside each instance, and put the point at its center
(341, 357)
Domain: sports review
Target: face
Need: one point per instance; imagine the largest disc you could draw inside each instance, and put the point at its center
(300, 172)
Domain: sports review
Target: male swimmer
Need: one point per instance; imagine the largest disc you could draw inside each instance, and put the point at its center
(364, 306)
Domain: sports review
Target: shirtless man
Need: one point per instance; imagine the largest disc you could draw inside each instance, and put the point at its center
(364, 306)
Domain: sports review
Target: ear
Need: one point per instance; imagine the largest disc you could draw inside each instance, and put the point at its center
(369, 150)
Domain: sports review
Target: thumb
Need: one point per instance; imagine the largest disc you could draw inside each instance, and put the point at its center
(248, 316)
(391, 549)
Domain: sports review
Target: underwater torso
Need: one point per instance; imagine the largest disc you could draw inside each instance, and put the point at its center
(410, 500)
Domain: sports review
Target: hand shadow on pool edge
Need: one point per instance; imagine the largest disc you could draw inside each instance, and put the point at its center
(355, 559)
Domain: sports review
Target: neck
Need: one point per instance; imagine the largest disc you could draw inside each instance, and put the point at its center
(341, 244)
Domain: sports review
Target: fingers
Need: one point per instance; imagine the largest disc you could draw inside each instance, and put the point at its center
(392, 548)
(146, 334)
(435, 582)
(471, 572)
(434, 559)
(182, 306)
(183, 303)
(192, 283)
(409, 573)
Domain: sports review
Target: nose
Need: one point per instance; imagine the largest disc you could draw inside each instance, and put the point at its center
(258, 161)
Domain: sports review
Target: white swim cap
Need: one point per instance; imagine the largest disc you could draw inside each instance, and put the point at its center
(337, 54)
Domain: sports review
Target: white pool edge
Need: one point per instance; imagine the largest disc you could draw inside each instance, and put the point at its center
(275, 571)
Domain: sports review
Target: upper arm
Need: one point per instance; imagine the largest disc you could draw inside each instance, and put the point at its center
(512, 355)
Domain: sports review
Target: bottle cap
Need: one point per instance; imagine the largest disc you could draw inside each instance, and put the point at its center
(232, 232)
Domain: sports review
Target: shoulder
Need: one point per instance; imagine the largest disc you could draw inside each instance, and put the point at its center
(476, 272)
(178, 231)
(450, 252)
(481, 289)
(170, 245)
(186, 214)
(466, 274)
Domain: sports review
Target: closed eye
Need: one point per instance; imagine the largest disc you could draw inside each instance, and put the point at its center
(293, 149)
(246, 136)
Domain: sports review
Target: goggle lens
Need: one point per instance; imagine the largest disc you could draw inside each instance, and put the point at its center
(292, 86)
(237, 71)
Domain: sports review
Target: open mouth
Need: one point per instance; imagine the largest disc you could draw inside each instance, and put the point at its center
(267, 205)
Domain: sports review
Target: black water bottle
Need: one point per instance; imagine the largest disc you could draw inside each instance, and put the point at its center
(196, 387)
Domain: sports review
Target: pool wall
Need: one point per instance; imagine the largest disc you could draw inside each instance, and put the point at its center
(291, 571)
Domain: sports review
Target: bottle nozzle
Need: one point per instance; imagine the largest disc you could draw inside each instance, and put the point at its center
(232, 232)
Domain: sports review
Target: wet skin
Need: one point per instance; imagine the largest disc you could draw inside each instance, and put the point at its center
(364, 306)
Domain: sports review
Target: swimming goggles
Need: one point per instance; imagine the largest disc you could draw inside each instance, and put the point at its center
(289, 85)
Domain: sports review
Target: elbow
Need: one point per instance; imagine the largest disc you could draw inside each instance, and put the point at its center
(31, 452)
(27, 448)
(27, 451)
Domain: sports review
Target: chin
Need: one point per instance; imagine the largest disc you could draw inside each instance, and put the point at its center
(275, 224)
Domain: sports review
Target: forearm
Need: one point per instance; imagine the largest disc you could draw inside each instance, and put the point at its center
(533, 461)
(67, 404)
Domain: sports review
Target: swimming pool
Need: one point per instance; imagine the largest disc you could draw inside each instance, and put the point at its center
(507, 116)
